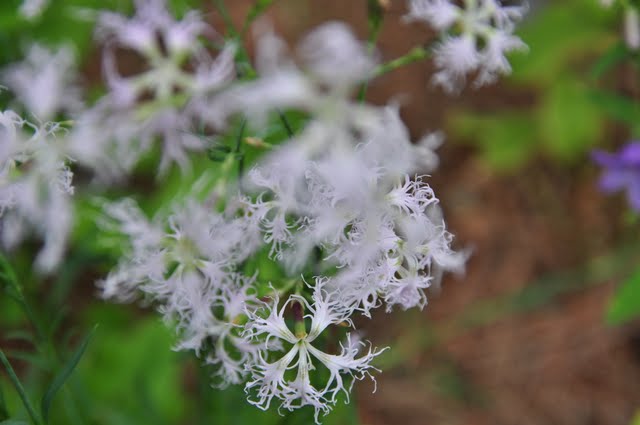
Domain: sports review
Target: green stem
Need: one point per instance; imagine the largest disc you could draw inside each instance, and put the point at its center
(415, 55)
(237, 152)
(376, 18)
(243, 55)
(258, 9)
(226, 18)
(285, 123)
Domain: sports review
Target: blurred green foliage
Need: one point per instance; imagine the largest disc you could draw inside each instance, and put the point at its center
(558, 114)
(625, 305)
(61, 22)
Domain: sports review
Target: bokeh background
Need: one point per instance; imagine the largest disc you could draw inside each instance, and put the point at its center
(528, 335)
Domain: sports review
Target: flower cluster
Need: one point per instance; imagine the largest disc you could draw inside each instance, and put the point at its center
(474, 38)
(341, 209)
(110, 137)
(341, 198)
(44, 82)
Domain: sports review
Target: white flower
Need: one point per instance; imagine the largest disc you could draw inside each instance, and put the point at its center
(193, 239)
(268, 378)
(455, 57)
(332, 47)
(44, 82)
(313, 87)
(107, 142)
(412, 197)
(475, 38)
(441, 14)
(185, 263)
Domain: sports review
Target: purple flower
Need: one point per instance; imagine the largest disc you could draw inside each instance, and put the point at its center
(621, 171)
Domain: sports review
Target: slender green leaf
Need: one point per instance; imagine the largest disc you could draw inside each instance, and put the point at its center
(4, 411)
(625, 304)
(14, 291)
(19, 388)
(30, 358)
(8, 274)
(62, 377)
(13, 422)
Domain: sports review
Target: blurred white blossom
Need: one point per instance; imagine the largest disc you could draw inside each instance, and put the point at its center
(475, 37)
(32, 9)
(156, 102)
(185, 263)
(44, 82)
(35, 187)
(314, 86)
(631, 26)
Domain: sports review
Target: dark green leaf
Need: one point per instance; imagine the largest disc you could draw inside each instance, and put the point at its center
(503, 144)
(616, 54)
(625, 304)
(618, 107)
(19, 388)
(557, 35)
(568, 121)
(8, 275)
(62, 377)
(218, 153)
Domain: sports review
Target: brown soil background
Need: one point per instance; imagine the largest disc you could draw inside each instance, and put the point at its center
(521, 338)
